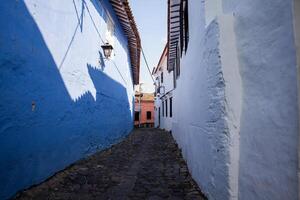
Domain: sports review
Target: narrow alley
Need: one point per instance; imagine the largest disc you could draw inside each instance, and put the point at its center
(146, 165)
(150, 99)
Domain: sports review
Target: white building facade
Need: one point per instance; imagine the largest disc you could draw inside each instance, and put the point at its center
(235, 111)
(164, 86)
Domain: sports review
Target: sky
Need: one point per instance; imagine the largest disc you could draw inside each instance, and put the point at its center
(151, 19)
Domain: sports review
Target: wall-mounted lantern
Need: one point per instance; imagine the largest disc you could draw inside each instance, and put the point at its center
(107, 49)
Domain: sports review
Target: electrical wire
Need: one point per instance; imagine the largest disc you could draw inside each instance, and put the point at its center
(119, 71)
(147, 65)
(94, 24)
(98, 32)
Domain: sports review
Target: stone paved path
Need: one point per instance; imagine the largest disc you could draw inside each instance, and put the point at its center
(146, 165)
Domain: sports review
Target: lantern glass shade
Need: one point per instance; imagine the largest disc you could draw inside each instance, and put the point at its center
(107, 49)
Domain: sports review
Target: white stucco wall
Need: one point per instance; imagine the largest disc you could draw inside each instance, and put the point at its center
(199, 125)
(237, 123)
(269, 121)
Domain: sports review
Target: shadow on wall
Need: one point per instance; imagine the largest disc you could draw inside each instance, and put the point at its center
(42, 130)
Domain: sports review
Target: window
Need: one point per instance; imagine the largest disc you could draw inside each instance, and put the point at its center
(158, 88)
(163, 108)
(177, 62)
(136, 116)
(171, 106)
(148, 114)
(166, 107)
(184, 26)
(181, 27)
(174, 77)
(162, 77)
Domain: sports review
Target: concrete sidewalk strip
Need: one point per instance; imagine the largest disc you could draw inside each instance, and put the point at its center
(145, 165)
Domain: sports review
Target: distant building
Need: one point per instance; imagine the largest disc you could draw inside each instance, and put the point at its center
(144, 110)
(164, 86)
(230, 68)
(61, 98)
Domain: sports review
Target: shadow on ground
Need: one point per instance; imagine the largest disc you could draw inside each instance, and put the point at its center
(146, 165)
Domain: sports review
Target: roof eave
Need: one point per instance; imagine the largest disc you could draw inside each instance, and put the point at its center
(122, 9)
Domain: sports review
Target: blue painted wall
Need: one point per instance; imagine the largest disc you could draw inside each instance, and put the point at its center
(50, 56)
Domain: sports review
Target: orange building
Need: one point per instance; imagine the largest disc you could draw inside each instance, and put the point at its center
(144, 110)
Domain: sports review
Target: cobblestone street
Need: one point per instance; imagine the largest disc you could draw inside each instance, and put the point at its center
(146, 165)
